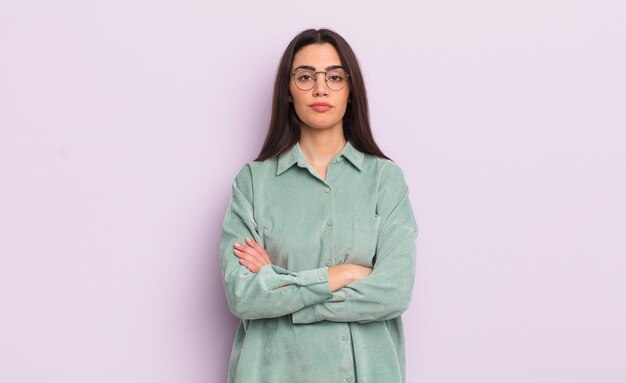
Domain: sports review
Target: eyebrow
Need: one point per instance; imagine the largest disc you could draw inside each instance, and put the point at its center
(313, 68)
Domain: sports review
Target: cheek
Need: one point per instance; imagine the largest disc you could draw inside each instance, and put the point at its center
(296, 98)
(343, 97)
(300, 106)
(344, 103)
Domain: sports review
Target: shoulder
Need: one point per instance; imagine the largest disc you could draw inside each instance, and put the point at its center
(391, 185)
(247, 176)
(387, 171)
(255, 170)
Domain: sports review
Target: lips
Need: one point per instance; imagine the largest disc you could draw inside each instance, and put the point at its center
(321, 107)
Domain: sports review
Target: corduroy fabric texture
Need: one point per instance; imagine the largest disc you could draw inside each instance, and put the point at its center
(304, 333)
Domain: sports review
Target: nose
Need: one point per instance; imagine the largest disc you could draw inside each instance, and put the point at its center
(320, 88)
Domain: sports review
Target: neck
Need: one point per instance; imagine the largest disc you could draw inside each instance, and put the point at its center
(320, 146)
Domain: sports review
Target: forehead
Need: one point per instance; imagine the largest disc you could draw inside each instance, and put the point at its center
(316, 55)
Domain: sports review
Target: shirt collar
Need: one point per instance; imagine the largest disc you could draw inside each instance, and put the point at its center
(295, 156)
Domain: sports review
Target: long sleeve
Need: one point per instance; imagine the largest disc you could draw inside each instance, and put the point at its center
(386, 292)
(254, 296)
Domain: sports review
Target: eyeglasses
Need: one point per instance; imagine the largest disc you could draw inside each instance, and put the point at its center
(305, 79)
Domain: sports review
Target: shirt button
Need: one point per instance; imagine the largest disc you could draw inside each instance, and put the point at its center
(348, 378)
(344, 337)
(326, 190)
(328, 263)
(321, 278)
(329, 223)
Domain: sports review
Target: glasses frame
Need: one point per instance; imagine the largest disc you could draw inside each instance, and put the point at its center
(315, 79)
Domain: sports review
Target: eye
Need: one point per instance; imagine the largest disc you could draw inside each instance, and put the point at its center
(304, 76)
(336, 78)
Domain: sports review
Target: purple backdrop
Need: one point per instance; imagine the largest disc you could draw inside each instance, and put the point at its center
(122, 124)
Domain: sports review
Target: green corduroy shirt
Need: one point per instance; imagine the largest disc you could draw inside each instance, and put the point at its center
(303, 332)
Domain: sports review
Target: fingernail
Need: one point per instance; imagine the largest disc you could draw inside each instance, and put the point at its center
(248, 239)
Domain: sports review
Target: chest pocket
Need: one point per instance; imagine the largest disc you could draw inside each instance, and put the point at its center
(364, 239)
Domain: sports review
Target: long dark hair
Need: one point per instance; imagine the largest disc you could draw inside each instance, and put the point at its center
(284, 128)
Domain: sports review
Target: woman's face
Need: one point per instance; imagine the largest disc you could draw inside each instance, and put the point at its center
(320, 107)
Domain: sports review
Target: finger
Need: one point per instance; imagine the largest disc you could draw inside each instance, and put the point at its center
(249, 258)
(249, 266)
(248, 251)
(259, 249)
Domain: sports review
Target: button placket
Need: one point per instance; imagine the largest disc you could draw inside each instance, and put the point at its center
(348, 356)
(330, 221)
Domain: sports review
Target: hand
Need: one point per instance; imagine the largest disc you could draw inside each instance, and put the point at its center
(340, 276)
(251, 255)
(360, 272)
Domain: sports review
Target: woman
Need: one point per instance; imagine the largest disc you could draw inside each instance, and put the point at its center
(318, 243)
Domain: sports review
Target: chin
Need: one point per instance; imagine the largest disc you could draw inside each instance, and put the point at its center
(317, 124)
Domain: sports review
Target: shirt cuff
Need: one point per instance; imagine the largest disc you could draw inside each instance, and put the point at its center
(314, 285)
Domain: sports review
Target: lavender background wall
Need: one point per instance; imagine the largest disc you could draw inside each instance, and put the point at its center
(122, 124)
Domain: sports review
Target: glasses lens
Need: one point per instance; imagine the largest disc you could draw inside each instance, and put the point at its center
(305, 79)
(336, 79)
